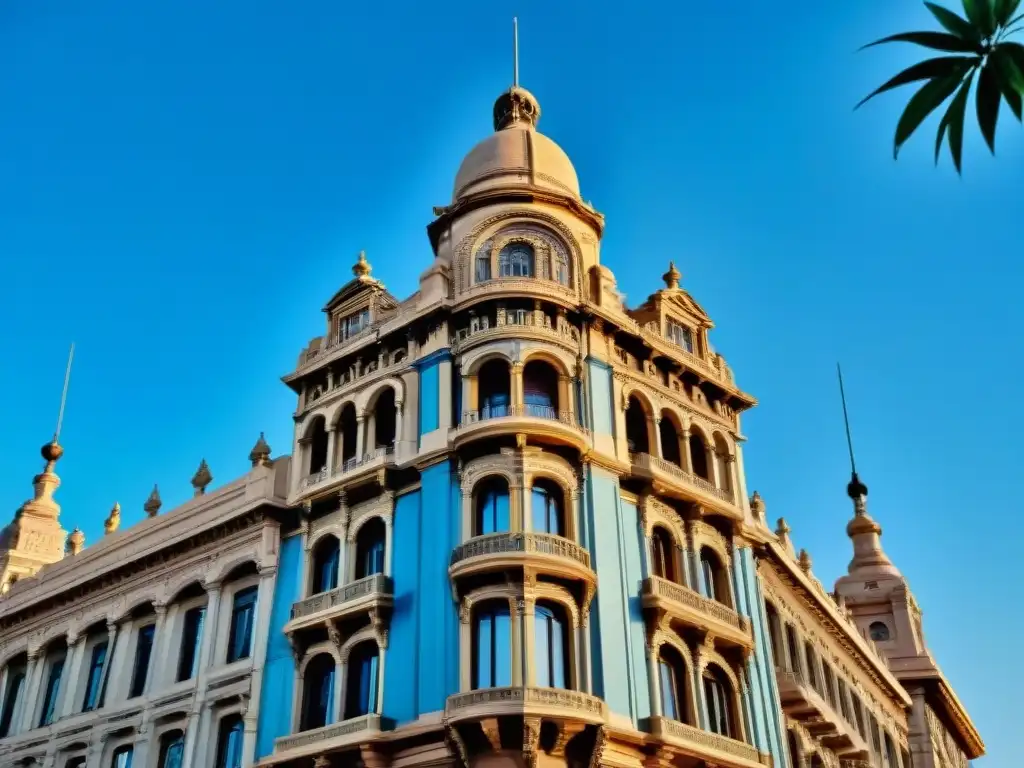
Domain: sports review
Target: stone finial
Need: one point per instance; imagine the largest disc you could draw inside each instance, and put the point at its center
(672, 277)
(757, 506)
(113, 521)
(201, 478)
(75, 542)
(362, 267)
(805, 561)
(260, 453)
(152, 505)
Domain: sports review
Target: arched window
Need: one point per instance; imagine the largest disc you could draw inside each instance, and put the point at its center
(317, 445)
(713, 576)
(516, 260)
(812, 666)
(540, 389)
(491, 507)
(663, 555)
(794, 751)
(699, 456)
(12, 696)
(492, 645)
(326, 555)
(672, 678)
(229, 742)
(317, 693)
(774, 633)
(546, 502)
(721, 458)
(361, 686)
(552, 645)
(494, 387)
(370, 543)
(384, 419)
(669, 441)
(718, 702)
(172, 750)
(483, 263)
(561, 267)
(347, 426)
(890, 752)
(879, 631)
(122, 757)
(636, 427)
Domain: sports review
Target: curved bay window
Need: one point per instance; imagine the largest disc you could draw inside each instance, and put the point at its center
(672, 680)
(370, 546)
(699, 456)
(516, 260)
(540, 389)
(347, 427)
(317, 693)
(495, 385)
(663, 562)
(669, 441)
(362, 681)
(491, 512)
(326, 556)
(551, 649)
(636, 427)
(718, 700)
(546, 501)
(492, 645)
(714, 578)
(384, 419)
(172, 750)
(317, 436)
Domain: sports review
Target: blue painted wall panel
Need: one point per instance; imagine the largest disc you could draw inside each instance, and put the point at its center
(632, 540)
(401, 672)
(279, 668)
(599, 376)
(429, 398)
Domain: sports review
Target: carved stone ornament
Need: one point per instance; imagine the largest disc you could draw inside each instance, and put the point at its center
(202, 478)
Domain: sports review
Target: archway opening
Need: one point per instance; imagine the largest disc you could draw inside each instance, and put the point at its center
(636, 426)
(540, 389)
(495, 386)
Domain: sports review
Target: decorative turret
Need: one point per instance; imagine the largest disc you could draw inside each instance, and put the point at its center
(805, 561)
(153, 503)
(113, 521)
(201, 478)
(758, 508)
(76, 540)
(362, 268)
(260, 453)
(672, 277)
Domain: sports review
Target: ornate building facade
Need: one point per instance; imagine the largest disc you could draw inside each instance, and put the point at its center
(146, 648)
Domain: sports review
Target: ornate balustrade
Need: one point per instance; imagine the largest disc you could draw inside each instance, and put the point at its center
(383, 455)
(714, 748)
(375, 585)
(335, 732)
(492, 702)
(693, 609)
(538, 543)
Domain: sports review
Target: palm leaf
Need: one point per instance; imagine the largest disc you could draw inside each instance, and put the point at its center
(925, 70)
(940, 41)
(1010, 79)
(922, 104)
(980, 14)
(955, 113)
(959, 27)
(987, 100)
(1004, 9)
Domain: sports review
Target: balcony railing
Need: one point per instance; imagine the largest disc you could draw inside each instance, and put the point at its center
(672, 730)
(522, 699)
(377, 584)
(659, 587)
(653, 463)
(350, 727)
(347, 466)
(539, 543)
(546, 412)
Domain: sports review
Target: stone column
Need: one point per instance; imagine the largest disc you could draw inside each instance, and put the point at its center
(465, 652)
(140, 749)
(36, 666)
(360, 436)
(107, 660)
(565, 398)
(516, 386)
(656, 425)
(516, 610)
(712, 461)
(208, 648)
(69, 683)
(261, 633)
(332, 449)
(730, 466)
(388, 538)
(684, 439)
(191, 735)
(529, 606)
(160, 643)
(470, 398)
(652, 672)
(399, 428)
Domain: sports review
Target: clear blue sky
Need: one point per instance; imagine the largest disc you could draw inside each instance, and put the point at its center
(182, 186)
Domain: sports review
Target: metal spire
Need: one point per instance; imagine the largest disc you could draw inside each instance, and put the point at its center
(64, 393)
(856, 488)
(515, 51)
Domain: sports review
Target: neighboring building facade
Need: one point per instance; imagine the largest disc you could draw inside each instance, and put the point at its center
(144, 649)
(525, 534)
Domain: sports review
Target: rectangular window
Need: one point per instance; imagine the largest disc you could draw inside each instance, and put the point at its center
(680, 335)
(229, 742)
(95, 678)
(350, 325)
(15, 684)
(830, 688)
(122, 757)
(52, 691)
(143, 650)
(191, 642)
(242, 615)
(843, 706)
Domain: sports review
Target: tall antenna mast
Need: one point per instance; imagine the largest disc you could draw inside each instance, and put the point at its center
(846, 419)
(64, 394)
(515, 52)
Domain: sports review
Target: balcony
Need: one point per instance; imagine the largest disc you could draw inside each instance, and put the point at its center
(801, 702)
(541, 422)
(684, 605)
(358, 597)
(675, 481)
(706, 748)
(517, 324)
(334, 737)
(352, 471)
(532, 287)
(543, 552)
(538, 702)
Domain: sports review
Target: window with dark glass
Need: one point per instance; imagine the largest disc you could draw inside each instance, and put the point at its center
(890, 752)
(672, 677)
(716, 696)
(669, 441)
(94, 677)
(844, 706)
(229, 742)
(794, 651)
(384, 419)
(812, 667)
(362, 683)
(492, 514)
(12, 695)
(516, 260)
(551, 648)
(829, 682)
(699, 456)
(352, 324)
(51, 693)
(636, 427)
(122, 757)
(326, 557)
(318, 440)
(75, 762)
(243, 612)
(191, 642)
(370, 543)
(879, 631)
(775, 633)
(680, 335)
(317, 692)
(172, 750)
(143, 650)
(546, 506)
(495, 386)
(492, 646)
(347, 428)
(483, 263)
(714, 580)
(663, 564)
(540, 390)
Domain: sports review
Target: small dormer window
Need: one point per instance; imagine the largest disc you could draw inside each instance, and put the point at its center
(680, 335)
(350, 325)
(516, 260)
